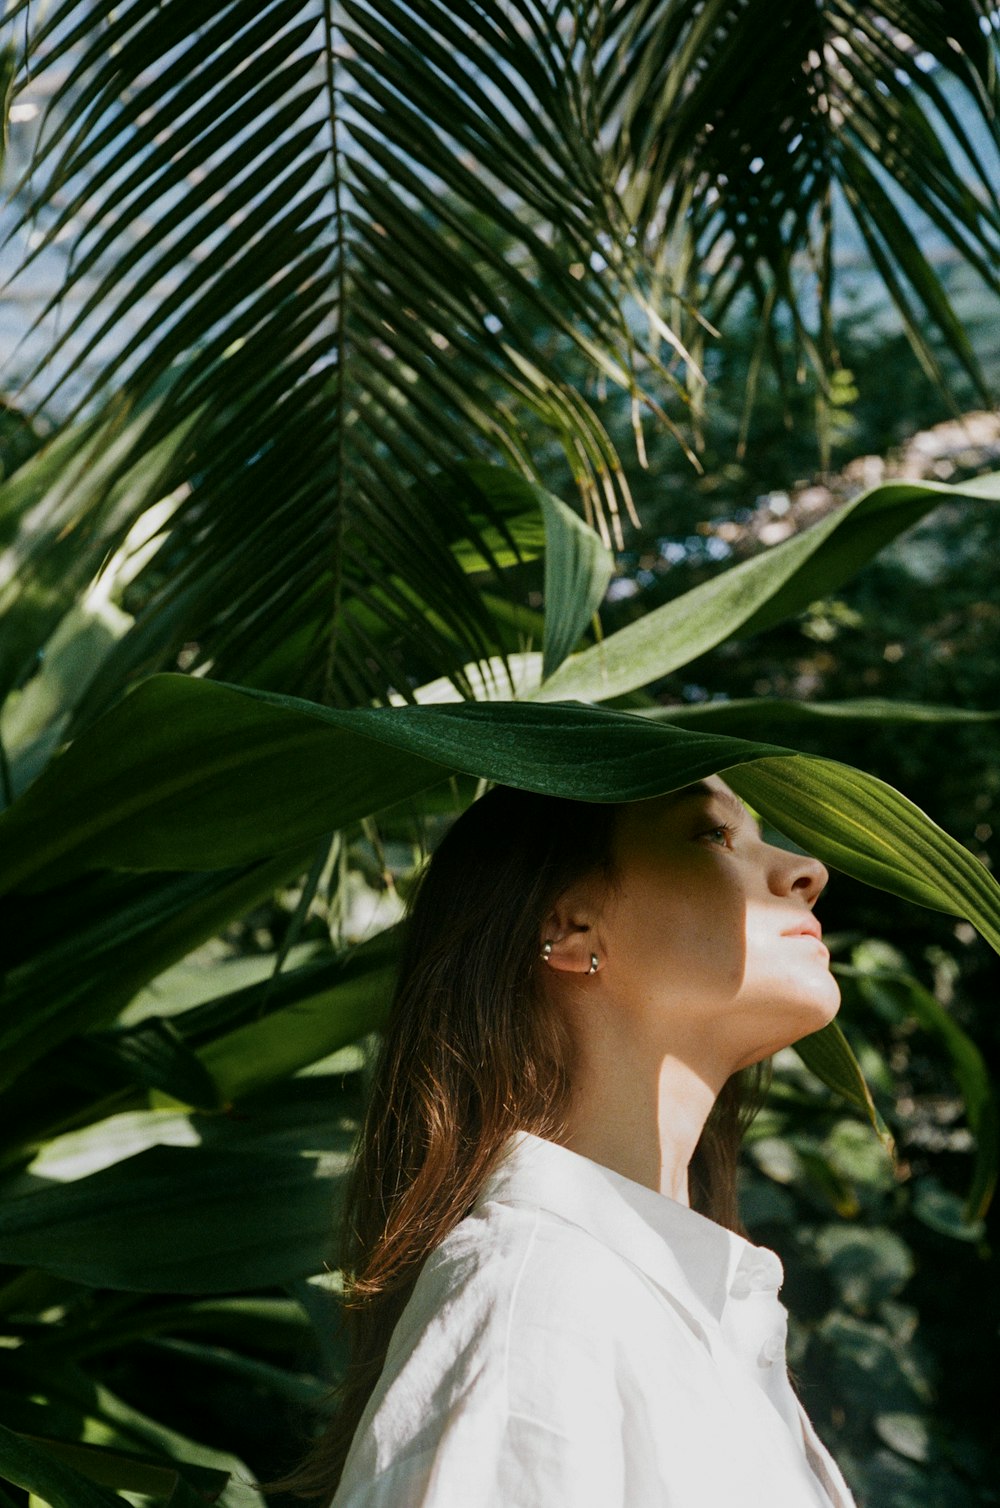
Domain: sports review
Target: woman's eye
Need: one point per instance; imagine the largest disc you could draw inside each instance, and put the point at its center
(724, 832)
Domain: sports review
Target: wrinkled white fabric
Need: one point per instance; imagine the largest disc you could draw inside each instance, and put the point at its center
(581, 1341)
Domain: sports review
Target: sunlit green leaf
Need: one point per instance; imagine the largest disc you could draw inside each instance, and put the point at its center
(756, 594)
(828, 1055)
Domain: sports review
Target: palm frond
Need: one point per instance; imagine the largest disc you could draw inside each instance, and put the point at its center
(745, 132)
(290, 231)
(340, 248)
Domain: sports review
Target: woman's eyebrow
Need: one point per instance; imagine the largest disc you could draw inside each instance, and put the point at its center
(700, 789)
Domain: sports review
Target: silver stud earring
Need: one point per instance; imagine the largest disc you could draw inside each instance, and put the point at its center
(593, 964)
(547, 951)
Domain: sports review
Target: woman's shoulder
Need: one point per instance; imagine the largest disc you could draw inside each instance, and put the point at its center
(498, 1243)
(507, 1295)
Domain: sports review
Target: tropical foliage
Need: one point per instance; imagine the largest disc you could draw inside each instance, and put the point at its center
(325, 366)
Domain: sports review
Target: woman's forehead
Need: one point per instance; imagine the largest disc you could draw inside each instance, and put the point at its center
(711, 785)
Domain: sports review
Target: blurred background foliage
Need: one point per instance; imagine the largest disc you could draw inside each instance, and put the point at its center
(171, 1155)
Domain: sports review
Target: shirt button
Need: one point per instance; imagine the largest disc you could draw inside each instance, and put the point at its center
(772, 1350)
(741, 1286)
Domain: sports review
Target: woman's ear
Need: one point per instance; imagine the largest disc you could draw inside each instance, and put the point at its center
(567, 943)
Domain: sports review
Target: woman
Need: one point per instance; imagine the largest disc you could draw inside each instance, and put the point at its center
(551, 1303)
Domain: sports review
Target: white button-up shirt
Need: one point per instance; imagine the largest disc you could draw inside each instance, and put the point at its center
(581, 1341)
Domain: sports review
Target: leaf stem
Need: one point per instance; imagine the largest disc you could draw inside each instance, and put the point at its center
(337, 563)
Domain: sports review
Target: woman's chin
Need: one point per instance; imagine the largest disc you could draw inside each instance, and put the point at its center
(819, 1010)
(815, 1000)
(799, 1019)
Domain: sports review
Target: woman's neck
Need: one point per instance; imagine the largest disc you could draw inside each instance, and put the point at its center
(642, 1119)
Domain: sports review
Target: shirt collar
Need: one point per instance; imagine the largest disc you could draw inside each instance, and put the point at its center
(685, 1253)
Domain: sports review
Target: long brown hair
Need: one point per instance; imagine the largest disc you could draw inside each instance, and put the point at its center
(472, 1052)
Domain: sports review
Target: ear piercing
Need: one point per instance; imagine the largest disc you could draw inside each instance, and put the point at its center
(547, 954)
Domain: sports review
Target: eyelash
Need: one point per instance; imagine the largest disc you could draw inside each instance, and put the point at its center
(722, 827)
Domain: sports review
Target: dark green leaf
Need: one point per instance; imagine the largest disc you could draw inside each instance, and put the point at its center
(30, 1464)
(180, 1220)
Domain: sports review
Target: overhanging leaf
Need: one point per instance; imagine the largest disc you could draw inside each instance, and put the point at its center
(272, 771)
(187, 773)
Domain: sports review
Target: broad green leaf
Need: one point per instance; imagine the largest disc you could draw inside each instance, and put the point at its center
(162, 1201)
(105, 1141)
(273, 771)
(53, 1376)
(153, 1054)
(102, 942)
(756, 594)
(189, 983)
(515, 528)
(181, 1220)
(134, 1473)
(186, 773)
(578, 568)
(292, 1038)
(304, 1117)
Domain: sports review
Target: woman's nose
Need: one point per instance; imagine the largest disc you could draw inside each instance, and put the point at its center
(801, 874)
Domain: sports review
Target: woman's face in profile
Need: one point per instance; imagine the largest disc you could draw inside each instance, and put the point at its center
(709, 934)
